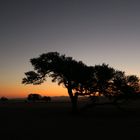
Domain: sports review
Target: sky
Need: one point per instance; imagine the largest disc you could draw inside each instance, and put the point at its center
(94, 31)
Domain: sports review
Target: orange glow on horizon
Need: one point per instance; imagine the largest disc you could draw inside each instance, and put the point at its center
(22, 91)
(12, 88)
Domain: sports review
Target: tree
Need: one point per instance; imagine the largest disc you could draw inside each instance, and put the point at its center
(113, 84)
(124, 86)
(46, 98)
(103, 75)
(34, 97)
(80, 79)
(64, 70)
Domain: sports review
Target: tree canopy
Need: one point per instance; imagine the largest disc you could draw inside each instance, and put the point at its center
(80, 79)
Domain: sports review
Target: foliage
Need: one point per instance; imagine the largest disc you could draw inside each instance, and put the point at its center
(38, 97)
(80, 79)
(46, 98)
(64, 70)
(3, 99)
(34, 97)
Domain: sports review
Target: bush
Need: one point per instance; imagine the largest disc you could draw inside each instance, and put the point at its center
(34, 97)
(3, 99)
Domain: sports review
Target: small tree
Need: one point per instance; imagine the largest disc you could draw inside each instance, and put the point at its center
(34, 97)
(46, 98)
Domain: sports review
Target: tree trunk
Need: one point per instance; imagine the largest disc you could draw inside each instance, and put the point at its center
(73, 99)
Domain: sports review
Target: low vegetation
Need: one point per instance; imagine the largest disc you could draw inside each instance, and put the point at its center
(37, 97)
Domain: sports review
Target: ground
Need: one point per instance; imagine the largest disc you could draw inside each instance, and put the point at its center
(54, 120)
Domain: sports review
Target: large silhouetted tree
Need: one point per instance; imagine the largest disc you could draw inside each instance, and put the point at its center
(80, 79)
(74, 75)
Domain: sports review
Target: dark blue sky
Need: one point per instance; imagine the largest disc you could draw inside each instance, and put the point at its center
(94, 31)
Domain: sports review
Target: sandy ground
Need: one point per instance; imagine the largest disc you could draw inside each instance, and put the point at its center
(54, 120)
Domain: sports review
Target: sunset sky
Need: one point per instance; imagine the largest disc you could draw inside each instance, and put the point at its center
(94, 31)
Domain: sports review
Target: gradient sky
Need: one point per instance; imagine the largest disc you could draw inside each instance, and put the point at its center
(94, 31)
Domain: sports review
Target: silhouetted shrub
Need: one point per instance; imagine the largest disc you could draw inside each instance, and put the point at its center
(38, 97)
(46, 98)
(34, 97)
(3, 99)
